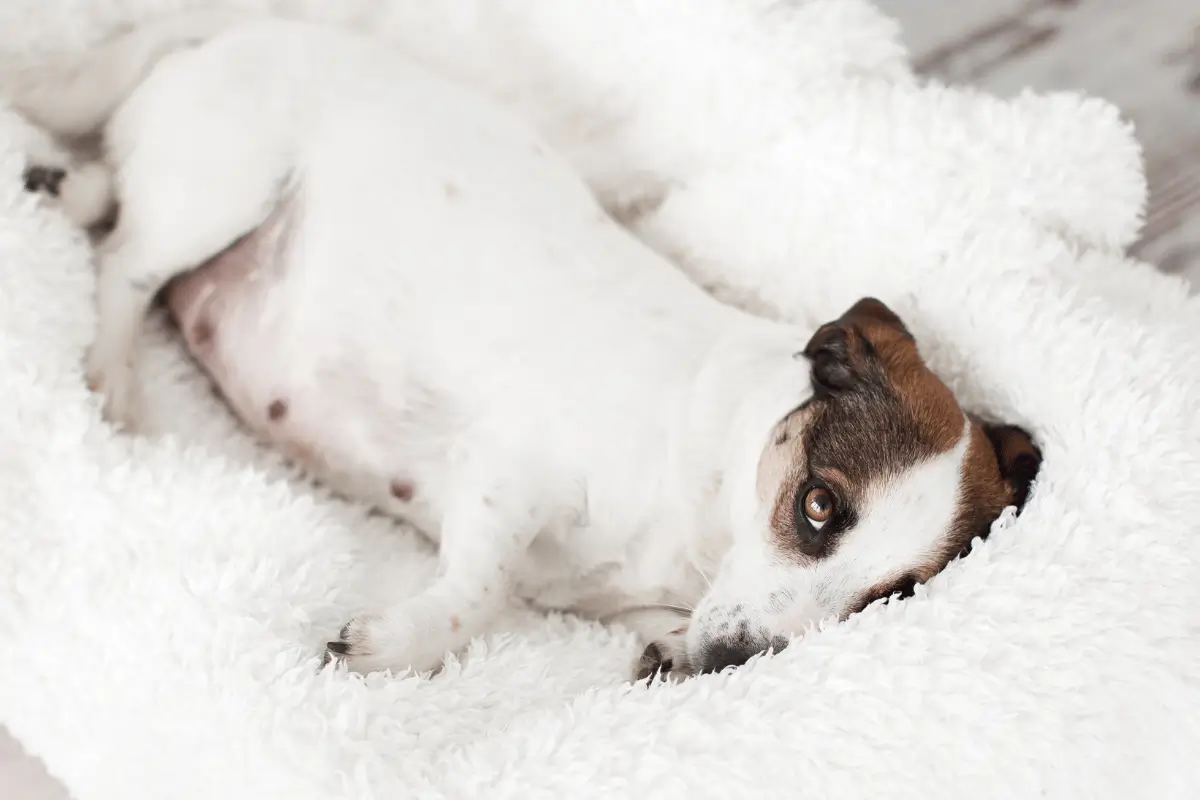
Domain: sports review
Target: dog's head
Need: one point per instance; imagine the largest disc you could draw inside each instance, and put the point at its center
(870, 487)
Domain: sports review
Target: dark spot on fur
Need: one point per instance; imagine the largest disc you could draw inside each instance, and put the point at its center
(403, 490)
(277, 410)
(341, 648)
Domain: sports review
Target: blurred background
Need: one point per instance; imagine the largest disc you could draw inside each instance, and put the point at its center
(1142, 55)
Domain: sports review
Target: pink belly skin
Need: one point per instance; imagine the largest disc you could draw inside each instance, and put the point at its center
(209, 303)
(233, 315)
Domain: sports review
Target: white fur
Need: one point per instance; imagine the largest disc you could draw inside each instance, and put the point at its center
(163, 603)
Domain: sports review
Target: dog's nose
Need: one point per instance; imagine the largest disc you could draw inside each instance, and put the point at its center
(733, 653)
(719, 655)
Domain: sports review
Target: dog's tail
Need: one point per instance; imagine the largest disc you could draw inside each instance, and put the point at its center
(76, 96)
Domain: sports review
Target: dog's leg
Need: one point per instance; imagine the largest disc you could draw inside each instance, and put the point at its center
(482, 538)
(171, 220)
(663, 631)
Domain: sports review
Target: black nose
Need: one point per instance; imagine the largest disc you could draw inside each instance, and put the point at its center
(719, 655)
(735, 652)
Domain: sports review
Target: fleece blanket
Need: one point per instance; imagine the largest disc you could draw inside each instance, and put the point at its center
(163, 599)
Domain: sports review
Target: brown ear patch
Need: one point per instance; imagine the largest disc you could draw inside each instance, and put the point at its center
(1018, 458)
(845, 352)
(870, 350)
(999, 469)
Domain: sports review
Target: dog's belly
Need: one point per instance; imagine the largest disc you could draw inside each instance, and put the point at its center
(302, 390)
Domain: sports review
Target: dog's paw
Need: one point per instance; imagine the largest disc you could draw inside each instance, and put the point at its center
(354, 645)
(664, 660)
(653, 663)
(117, 385)
(370, 644)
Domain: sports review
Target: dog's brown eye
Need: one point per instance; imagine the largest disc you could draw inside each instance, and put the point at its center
(817, 506)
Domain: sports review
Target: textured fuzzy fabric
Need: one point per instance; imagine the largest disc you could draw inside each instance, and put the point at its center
(163, 600)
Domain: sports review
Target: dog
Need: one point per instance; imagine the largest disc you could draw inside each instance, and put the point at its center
(411, 294)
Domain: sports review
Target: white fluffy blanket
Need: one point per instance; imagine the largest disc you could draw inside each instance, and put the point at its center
(163, 601)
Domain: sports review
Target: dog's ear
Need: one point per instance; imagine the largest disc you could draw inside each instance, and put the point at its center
(841, 352)
(1018, 457)
(869, 312)
(830, 352)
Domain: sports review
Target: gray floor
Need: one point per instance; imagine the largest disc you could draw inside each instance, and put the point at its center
(1144, 56)
(24, 778)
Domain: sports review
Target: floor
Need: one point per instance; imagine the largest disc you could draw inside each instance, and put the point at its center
(1143, 56)
(24, 778)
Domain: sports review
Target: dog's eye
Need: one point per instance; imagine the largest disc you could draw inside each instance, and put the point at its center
(817, 506)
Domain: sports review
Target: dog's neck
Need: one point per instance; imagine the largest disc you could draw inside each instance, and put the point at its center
(750, 381)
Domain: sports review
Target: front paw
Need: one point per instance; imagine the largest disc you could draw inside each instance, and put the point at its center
(660, 661)
(371, 644)
(355, 647)
(114, 380)
(653, 662)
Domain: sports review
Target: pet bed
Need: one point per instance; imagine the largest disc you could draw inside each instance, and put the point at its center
(163, 600)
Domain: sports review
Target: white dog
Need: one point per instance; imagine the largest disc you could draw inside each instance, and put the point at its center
(409, 292)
